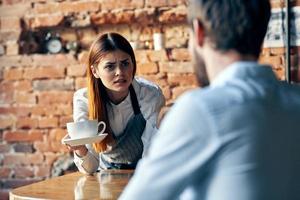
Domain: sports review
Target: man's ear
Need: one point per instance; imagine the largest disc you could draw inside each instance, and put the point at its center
(198, 32)
(94, 72)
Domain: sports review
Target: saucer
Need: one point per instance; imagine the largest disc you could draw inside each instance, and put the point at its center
(82, 141)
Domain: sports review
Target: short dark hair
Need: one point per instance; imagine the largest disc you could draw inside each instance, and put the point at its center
(238, 25)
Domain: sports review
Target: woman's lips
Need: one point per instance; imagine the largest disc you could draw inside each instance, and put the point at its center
(120, 81)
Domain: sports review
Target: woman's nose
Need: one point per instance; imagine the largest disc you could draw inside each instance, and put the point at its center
(118, 70)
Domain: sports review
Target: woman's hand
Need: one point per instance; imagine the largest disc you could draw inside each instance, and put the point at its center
(80, 150)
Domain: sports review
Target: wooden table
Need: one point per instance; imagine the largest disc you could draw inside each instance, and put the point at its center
(107, 184)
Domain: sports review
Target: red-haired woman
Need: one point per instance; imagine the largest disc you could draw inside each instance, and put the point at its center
(128, 105)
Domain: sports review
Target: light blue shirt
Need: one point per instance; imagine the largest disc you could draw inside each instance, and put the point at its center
(238, 139)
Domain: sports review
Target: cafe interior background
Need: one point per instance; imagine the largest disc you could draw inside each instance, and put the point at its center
(43, 50)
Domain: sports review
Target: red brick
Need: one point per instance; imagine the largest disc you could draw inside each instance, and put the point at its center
(12, 48)
(54, 84)
(46, 8)
(10, 61)
(61, 60)
(14, 159)
(48, 122)
(6, 121)
(4, 148)
(76, 70)
(34, 159)
(176, 67)
(10, 23)
(125, 4)
(156, 3)
(14, 10)
(182, 79)
(84, 6)
(159, 56)
(23, 85)
(80, 83)
(141, 56)
(5, 172)
(147, 68)
(57, 134)
(45, 72)
(39, 110)
(25, 98)
(18, 110)
(13, 74)
(177, 2)
(64, 109)
(160, 78)
(43, 146)
(64, 120)
(58, 147)
(23, 148)
(68, 35)
(46, 98)
(83, 58)
(39, 21)
(22, 136)
(115, 17)
(50, 157)
(6, 98)
(27, 122)
(23, 172)
(43, 171)
(177, 91)
(178, 14)
(124, 17)
(6, 86)
(181, 55)
(87, 37)
(8, 36)
(10, 2)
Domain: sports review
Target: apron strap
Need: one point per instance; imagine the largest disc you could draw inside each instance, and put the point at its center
(134, 101)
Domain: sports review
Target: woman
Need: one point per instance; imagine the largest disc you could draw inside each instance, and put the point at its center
(128, 105)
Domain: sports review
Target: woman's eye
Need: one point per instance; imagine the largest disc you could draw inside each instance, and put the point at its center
(109, 67)
(125, 64)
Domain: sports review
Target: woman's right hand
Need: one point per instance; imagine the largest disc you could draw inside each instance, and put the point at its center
(80, 150)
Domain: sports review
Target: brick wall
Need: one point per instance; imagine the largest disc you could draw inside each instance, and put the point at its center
(36, 89)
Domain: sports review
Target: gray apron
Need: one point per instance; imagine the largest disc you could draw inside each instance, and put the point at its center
(128, 147)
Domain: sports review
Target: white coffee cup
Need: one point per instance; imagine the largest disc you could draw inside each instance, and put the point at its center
(84, 129)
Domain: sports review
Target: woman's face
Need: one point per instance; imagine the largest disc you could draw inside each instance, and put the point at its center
(115, 70)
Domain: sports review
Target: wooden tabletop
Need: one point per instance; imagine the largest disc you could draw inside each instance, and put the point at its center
(107, 184)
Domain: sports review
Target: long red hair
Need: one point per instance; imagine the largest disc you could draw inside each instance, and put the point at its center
(97, 96)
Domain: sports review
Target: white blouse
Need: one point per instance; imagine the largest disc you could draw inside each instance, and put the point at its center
(150, 99)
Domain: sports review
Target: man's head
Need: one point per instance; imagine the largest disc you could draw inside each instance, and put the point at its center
(231, 25)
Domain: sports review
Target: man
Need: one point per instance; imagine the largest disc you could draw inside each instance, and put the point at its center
(238, 138)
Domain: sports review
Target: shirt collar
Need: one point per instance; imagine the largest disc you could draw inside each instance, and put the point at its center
(244, 70)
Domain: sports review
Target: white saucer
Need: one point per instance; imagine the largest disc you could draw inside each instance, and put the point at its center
(82, 141)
